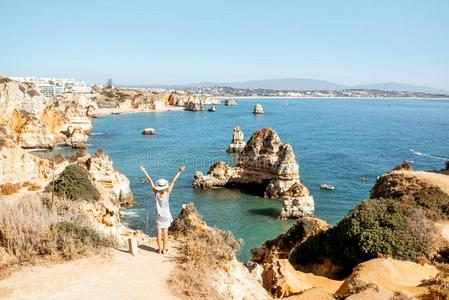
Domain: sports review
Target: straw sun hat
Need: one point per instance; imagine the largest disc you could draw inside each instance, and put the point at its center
(161, 184)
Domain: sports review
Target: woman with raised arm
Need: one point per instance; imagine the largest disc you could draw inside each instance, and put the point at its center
(162, 190)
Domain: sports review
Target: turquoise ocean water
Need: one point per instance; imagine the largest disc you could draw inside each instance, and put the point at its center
(335, 141)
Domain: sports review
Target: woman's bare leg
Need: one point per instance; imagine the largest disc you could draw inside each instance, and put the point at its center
(165, 239)
(159, 241)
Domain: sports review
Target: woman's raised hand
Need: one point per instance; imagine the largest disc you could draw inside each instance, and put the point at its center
(142, 168)
(181, 169)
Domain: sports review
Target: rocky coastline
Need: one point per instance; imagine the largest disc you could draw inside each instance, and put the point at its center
(31, 121)
(266, 167)
(87, 187)
(111, 101)
(387, 246)
(393, 245)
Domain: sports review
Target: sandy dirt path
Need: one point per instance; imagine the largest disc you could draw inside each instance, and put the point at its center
(119, 276)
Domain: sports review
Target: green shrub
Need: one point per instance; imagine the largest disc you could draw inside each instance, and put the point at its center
(74, 239)
(434, 202)
(374, 227)
(109, 94)
(74, 184)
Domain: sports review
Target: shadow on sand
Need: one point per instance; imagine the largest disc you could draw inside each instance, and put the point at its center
(148, 248)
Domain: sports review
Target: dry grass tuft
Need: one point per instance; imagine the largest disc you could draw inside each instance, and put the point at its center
(358, 286)
(398, 295)
(438, 287)
(9, 188)
(203, 253)
(31, 186)
(31, 231)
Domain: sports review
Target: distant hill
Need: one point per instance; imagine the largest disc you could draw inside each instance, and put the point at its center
(397, 87)
(284, 84)
(302, 84)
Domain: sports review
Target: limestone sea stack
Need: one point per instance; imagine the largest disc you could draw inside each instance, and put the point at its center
(238, 143)
(230, 102)
(149, 131)
(194, 105)
(258, 109)
(267, 167)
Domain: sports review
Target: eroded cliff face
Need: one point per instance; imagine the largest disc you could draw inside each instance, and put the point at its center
(130, 99)
(273, 256)
(114, 184)
(37, 122)
(20, 167)
(124, 100)
(207, 265)
(17, 165)
(28, 120)
(267, 167)
(115, 192)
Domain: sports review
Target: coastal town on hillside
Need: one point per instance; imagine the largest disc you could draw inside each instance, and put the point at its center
(345, 93)
(53, 86)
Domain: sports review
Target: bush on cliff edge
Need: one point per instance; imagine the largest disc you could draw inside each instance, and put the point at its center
(74, 184)
(203, 253)
(374, 227)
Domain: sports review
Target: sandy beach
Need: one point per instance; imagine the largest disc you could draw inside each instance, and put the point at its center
(115, 111)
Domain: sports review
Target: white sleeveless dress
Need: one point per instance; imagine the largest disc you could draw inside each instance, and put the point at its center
(163, 215)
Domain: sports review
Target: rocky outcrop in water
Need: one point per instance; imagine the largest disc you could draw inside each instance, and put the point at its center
(230, 102)
(238, 142)
(149, 131)
(194, 105)
(258, 109)
(266, 167)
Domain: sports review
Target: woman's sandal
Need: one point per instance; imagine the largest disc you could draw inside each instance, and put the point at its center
(159, 251)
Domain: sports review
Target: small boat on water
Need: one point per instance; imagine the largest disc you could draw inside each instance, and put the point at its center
(212, 109)
(325, 186)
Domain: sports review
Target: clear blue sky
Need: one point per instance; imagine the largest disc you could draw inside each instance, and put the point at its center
(351, 41)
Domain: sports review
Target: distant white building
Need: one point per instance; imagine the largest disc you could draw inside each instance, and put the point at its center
(53, 86)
